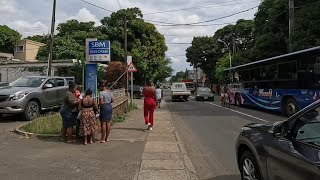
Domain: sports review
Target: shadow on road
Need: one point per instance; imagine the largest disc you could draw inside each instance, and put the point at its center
(226, 177)
(133, 129)
(11, 118)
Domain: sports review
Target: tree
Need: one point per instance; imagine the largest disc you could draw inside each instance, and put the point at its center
(179, 76)
(39, 38)
(305, 32)
(145, 44)
(204, 53)
(8, 39)
(114, 71)
(222, 64)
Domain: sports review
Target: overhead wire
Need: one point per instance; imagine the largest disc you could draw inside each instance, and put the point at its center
(199, 7)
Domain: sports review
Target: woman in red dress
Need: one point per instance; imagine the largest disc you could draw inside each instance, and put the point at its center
(150, 100)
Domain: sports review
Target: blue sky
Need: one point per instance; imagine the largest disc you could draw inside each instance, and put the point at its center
(31, 17)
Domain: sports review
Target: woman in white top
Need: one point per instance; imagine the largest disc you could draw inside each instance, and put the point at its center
(159, 95)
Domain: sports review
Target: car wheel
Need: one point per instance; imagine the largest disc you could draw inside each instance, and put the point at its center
(135, 96)
(291, 107)
(186, 99)
(211, 99)
(31, 110)
(249, 167)
(173, 99)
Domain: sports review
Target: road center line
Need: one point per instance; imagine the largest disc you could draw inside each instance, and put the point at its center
(238, 112)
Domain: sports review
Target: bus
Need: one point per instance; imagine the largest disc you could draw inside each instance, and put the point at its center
(285, 83)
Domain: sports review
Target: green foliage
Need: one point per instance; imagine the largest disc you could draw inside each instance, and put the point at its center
(222, 64)
(39, 38)
(8, 39)
(145, 44)
(179, 76)
(204, 53)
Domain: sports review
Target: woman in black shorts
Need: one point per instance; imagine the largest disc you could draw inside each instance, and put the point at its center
(105, 100)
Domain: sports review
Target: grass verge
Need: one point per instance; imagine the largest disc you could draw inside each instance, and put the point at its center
(51, 124)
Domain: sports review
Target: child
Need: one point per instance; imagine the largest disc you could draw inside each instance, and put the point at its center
(159, 95)
(79, 97)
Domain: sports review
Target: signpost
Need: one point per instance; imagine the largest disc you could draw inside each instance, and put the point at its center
(132, 68)
(91, 78)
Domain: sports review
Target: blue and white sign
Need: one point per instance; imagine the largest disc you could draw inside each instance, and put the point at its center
(91, 78)
(98, 51)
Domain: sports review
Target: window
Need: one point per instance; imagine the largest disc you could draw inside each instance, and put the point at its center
(60, 82)
(288, 70)
(244, 75)
(19, 48)
(270, 72)
(51, 81)
(308, 128)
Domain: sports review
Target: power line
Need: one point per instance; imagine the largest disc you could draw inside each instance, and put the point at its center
(198, 7)
(307, 4)
(200, 22)
(119, 4)
(179, 43)
(194, 25)
(97, 6)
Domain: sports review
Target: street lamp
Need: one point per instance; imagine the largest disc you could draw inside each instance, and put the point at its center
(226, 45)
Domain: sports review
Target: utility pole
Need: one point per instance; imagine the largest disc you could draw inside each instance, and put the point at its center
(196, 78)
(291, 18)
(51, 37)
(126, 50)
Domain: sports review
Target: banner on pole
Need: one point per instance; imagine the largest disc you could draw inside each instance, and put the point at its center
(91, 78)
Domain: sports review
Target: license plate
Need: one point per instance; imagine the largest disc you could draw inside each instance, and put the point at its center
(181, 96)
(205, 97)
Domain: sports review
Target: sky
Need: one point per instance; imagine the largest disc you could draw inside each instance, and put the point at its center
(31, 17)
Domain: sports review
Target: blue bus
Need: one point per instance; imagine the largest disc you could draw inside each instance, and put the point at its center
(285, 83)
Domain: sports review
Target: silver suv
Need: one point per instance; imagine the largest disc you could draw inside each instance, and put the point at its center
(31, 94)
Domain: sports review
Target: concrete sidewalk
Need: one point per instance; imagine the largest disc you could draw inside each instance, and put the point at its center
(164, 156)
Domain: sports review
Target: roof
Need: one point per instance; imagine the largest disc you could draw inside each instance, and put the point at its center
(33, 42)
(9, 55)
(277, 57)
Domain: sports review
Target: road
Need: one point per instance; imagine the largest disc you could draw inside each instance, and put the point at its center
(209, 132)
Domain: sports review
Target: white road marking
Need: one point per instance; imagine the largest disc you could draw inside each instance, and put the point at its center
(238, 112)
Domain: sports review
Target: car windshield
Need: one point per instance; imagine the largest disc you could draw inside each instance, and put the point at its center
(28, 82)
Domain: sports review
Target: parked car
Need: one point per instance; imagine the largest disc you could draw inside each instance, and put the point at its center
(179, 92)
(31, 94)
(3, 84)
(137, 91)
(284, 150)
(204, 94)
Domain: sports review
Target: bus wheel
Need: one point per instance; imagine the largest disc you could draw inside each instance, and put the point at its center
(291, 107)
(237, 100)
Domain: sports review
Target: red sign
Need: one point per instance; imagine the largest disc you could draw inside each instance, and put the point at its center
(132, 68)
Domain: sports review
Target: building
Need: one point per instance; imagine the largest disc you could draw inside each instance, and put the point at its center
(5, 56)
(14, 69)
(27, 50)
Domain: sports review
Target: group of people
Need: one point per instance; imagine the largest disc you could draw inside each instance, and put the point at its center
(81, 112)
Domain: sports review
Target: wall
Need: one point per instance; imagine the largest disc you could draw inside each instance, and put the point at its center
(31, 51)
(20, 55)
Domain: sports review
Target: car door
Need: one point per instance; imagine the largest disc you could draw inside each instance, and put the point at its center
(49, 95)
(61, 90)
(297, 157)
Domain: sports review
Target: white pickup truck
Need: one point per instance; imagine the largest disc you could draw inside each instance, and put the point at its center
(179, 91)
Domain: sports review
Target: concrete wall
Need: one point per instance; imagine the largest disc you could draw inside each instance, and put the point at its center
(20, 55)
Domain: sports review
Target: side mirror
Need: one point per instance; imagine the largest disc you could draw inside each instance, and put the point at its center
(47, 86)
(279, 130)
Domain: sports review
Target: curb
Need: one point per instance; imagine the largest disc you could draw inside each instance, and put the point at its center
(187, 162)
(28, 134)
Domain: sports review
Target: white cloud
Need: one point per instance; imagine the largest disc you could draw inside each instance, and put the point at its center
(84, 15)
(34, 17)
(8, 8)
(28, 28)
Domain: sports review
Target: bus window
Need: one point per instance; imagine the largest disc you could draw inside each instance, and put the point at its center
(288, 70)
(271, 72)
(244, 75)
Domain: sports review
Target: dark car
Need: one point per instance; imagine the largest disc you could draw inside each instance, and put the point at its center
(287, 150)
(137, 91)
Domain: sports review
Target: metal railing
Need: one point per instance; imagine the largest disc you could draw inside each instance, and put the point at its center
(117, 93)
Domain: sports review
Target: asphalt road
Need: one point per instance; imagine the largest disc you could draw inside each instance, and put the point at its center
(210, 132)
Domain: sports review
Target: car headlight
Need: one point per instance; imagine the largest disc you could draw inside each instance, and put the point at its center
(17, 96)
